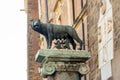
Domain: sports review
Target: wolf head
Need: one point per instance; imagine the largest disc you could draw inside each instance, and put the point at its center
(35, 24)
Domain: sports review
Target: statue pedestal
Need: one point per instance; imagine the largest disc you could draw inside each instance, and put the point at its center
(62, 64)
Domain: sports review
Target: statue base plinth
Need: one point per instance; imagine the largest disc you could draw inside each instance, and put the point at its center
(62, 64)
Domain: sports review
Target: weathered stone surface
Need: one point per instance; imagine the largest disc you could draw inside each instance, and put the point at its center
(63, 62)
(32, 41)
(67, 76)
(62, 55)
(93, 17)
(116, 20)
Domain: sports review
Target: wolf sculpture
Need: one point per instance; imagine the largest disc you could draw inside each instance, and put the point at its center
(53, 31)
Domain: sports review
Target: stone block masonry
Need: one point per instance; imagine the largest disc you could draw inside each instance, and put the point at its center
(32, 42)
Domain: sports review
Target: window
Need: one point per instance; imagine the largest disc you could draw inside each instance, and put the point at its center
(77, 6)
(81, 28)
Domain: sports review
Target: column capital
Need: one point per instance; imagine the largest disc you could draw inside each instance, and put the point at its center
(62, 61)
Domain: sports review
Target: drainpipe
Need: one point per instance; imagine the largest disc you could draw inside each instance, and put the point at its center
(47, 11)
(73, 7)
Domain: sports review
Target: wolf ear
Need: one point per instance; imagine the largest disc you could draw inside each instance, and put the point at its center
(31, 20)
(39, 20)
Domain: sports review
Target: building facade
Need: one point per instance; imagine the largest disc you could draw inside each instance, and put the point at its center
(97, 24)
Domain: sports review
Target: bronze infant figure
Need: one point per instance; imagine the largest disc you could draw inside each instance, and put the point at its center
(53, 31)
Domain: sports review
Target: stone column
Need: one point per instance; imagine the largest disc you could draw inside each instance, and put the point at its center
(62, 64)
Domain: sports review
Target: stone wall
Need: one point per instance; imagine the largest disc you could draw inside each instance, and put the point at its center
(93, 17)
(32, 41)
(116, 24)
